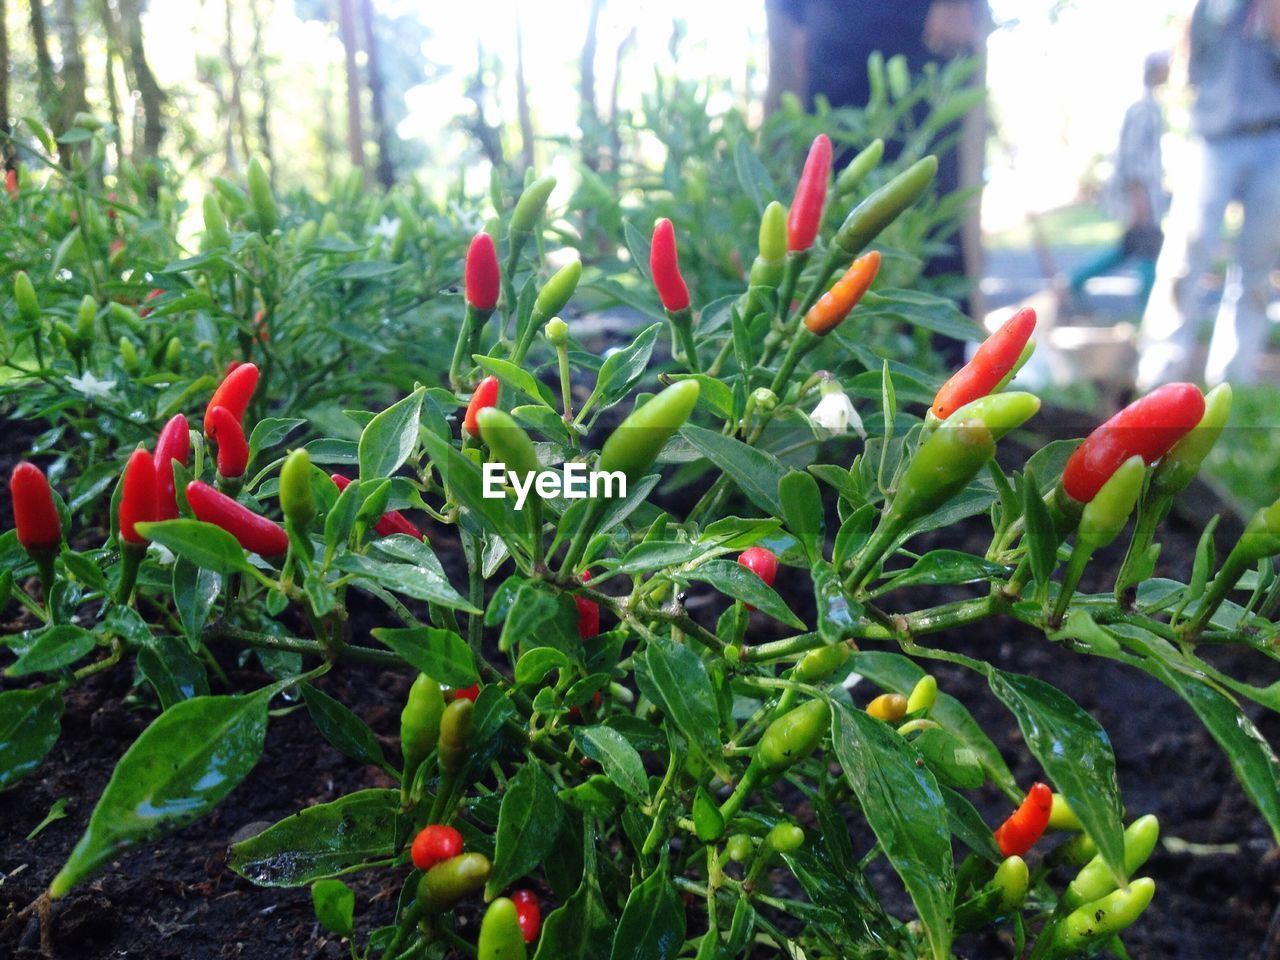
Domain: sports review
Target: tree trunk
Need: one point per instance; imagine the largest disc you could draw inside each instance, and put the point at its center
(377, 98)
(235, 116)
(350, 45)
(588, 114)
(47, 90)
(264, 86)
(490, 137)
(7, 158)
(522, 101)
(615, 134)
(149, 93)
(73, 70)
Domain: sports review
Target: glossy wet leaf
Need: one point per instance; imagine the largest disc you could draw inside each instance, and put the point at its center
(335, 906)
(341, 727)
(737, 581)
(969, 827)
(389, 438)
(195, 590)
(528, 823)
(623, 368)
(30, 722)
(943, 567)
(54, 648)
(756, 473)
(440, 654)
(1076, 754)
(837, 614)
(178, 769)
(205, 545)
(173, 670)
(802, 510)
(618, 759)
(578, 930)
(905, 808)
(652, 924)
(409, 579)
(675, 679)
(323, 840)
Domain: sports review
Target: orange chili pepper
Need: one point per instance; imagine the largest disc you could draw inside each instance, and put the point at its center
(834, 305)
(1027, 824)
(996, 357)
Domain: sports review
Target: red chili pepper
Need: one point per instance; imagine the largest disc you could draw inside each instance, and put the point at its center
(434, 844)
(260, 323)
(762, 562)
(116, 246)
(575, 713)
(37, 520)
(805, 216)
(996, 357)
(528, 913)
(484, 395)
(137, 496)
(1148, 427)
(1019, 833)
(111, 211)
(174, 444)
(235, 391)
(256, 534)
(664, 264)
(483, 281)
(588, 613)
(834, 306)
(222, 427)
(145, 311)
(393, 521)
(467, 693)
(11, 182)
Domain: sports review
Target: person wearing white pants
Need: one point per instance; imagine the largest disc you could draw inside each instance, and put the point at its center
(1235, 69)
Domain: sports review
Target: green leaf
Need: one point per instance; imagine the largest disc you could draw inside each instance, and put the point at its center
(535, 664)
(906, 809)
(175, 672)
(410, 579)
(580, 929)
(755, 472)
(366, 270)
(837, 614)
(941, 568)
(528, 822)
(178, 769)
(967, 824)
(207, 546)
(54, 648)
(335, 905)
(1251, 756)
(440, 654)
(660, 554)
(652, 925)
(618, 759)
(1076, 754)
(735, 580)
(802, 511)
(622, 369)
(461, 476)
(1042, 539)
(675, 679)
(389, 438)
(517, 378)
(195, 591)
(30, 722)
(752, 175)
(269, 432)
(324, 840)
(342, 728)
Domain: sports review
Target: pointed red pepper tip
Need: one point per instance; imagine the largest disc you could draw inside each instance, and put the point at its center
(223, 428)
(588, 613)
(483, 280)
(528, 913)
(235, 391)
(174, 443)
(485, 395)
(138, 502)
(805, 216)
(34, 514)
(664, 263)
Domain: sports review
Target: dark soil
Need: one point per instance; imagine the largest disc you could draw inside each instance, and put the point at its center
(1218, 892)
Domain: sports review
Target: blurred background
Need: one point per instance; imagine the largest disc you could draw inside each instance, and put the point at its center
(617, 100)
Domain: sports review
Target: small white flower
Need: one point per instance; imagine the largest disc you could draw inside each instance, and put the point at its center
(386, 228)
(91, 386)
(835, 414)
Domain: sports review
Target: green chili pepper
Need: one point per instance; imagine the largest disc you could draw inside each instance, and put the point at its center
(500, 934)
(531, 204)
(129, 358)
(508, 443)
(785, 837)
(86, 313)
(261, 197)
(883, 206)
(215, 224)
(1062, 817)
(1000, 412)
(635, 444)
(708, 824)
(296, 499)
(1107, 513)
(1077, 851)
(923, 694)
(1177, 467)
(446, 883)
(1095, 880)
(557, 332)
(792, 737)
(817, 665)
(1261, 537)
(173, 353)
(454, 744)
(942, 467)
(556, 292)
(1007, 891)
(419, 725)
(1102, 918)
(773, 233)
(859, 167)
(739, 847)
(69, 336)
(25, 296)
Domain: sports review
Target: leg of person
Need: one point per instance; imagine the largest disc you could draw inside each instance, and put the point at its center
(1240, 333)
(1146, 279)
(1104, 262)
(1167, 336)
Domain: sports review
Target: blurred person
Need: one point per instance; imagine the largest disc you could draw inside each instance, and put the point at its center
(1234, 69)
(1136, 189)
(826, 54)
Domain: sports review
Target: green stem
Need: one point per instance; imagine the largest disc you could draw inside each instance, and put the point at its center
(1080, 556)
(130, 560)
(801, 343)
(459, 350)
(264, 641)
(1150, 513)
(573, 557)
(1233, 568)
(875, 549)
(682, 333)
(566, 394)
